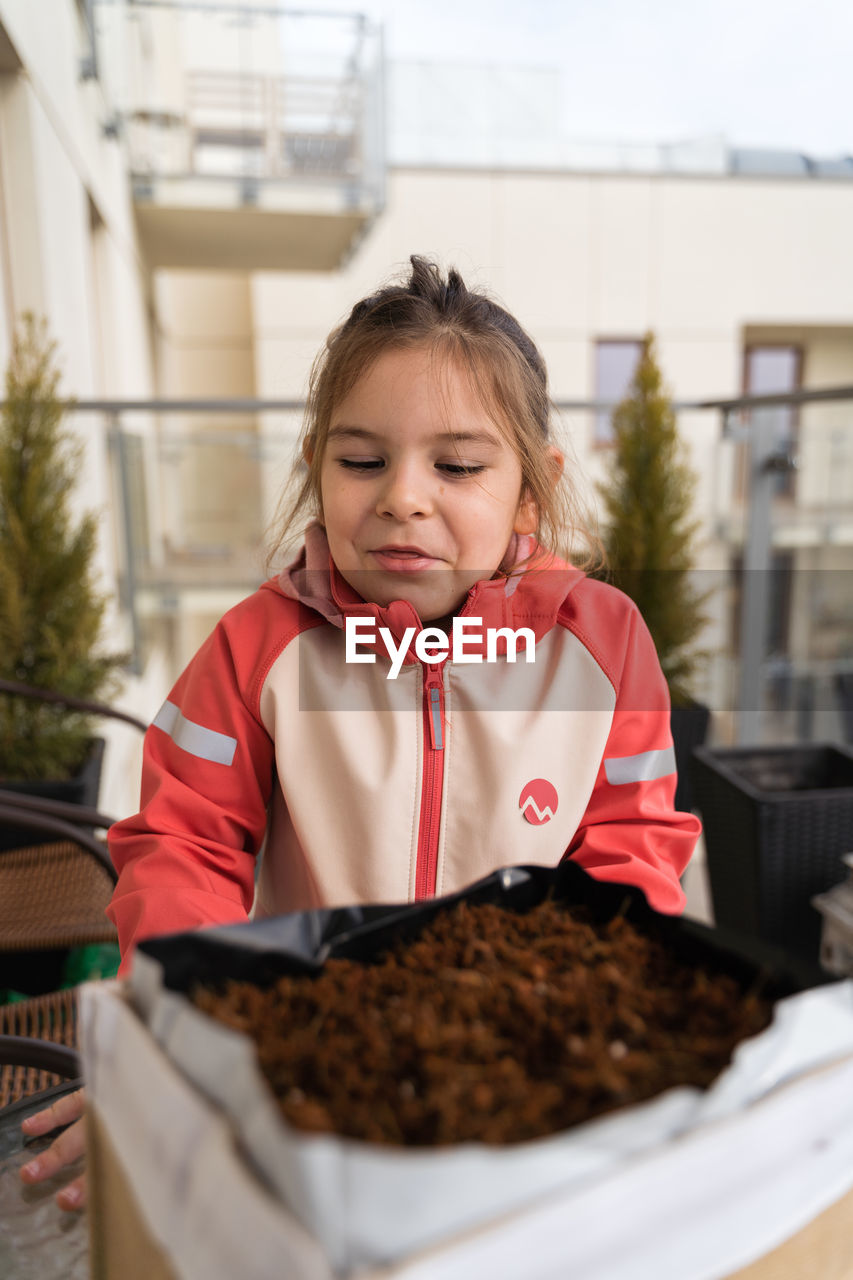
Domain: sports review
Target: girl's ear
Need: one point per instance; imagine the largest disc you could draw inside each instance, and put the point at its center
(308, 458)
(527, 516)
(557, 461)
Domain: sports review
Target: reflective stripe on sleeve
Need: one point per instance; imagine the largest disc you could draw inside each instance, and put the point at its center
(207, 744)
(644, 767)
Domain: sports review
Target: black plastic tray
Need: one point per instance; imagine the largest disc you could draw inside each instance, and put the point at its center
(300, 942)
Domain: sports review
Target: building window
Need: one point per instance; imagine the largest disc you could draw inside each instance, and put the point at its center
(768, 370)
(615, 364)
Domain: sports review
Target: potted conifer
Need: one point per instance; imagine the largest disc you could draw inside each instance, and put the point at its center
(50, 609)
(649, 536)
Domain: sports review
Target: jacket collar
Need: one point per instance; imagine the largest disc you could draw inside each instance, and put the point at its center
(527, 597)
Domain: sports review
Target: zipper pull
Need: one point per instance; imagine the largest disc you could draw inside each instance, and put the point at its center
(434, 699)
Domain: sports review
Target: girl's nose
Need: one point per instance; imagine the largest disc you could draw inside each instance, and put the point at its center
(405, 493)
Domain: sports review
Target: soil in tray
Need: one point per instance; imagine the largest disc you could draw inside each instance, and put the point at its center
(490, 1026)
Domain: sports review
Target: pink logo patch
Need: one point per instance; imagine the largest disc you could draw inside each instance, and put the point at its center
(538, 802)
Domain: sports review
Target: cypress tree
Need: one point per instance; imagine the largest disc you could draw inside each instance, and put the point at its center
(50, 610)
(649, 533)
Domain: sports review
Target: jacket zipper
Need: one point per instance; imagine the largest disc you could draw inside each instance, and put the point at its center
(432, 782)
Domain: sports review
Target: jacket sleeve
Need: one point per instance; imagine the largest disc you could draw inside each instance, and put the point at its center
(187, 858)
(631, 832)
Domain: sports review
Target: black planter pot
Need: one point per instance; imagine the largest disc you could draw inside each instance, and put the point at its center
(777, 821)
(689, 726)
(82, 789)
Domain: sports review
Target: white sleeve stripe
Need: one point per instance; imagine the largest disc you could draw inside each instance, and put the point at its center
(644, 767)
(193, 738)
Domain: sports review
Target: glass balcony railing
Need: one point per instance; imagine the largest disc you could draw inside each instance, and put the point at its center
(784, 506)
(227, 107)
(196, 486)
(230, 89)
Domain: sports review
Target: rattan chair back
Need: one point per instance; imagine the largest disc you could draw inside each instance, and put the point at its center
(38, 1044)
(54, 895)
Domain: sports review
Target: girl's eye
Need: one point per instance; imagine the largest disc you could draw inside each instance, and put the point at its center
(361, 464)
(461, 468)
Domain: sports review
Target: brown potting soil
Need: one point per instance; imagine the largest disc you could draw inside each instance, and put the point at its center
(490, 1026)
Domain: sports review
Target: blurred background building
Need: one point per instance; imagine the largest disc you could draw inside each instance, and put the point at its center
(194, 194)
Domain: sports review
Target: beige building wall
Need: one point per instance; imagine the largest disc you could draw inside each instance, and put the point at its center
(208, 481)
(68, 252)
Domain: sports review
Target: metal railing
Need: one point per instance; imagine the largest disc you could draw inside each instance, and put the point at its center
(245, 91)
(196, 484)
(794, 500)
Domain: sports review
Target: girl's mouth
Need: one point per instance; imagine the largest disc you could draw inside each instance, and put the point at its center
(404, 559)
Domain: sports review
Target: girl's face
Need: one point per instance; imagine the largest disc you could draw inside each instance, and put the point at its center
(420, 491)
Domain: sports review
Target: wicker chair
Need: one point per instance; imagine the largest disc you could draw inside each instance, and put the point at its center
(55, 886)
(53, 895)
(38, 1045)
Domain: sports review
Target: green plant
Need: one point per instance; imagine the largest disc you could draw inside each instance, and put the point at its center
(649, 533)
(50, 610)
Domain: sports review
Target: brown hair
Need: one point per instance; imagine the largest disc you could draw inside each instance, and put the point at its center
(505, 369)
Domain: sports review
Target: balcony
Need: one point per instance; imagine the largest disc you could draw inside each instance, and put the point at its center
(254, 135)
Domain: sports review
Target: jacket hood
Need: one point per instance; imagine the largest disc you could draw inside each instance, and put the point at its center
(527, 597)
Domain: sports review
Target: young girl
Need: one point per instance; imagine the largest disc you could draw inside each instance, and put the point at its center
(333, 719)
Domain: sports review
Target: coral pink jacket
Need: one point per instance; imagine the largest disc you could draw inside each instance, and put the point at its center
(358, 788)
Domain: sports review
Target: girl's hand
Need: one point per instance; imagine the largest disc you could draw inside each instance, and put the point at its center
(64, 1150)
